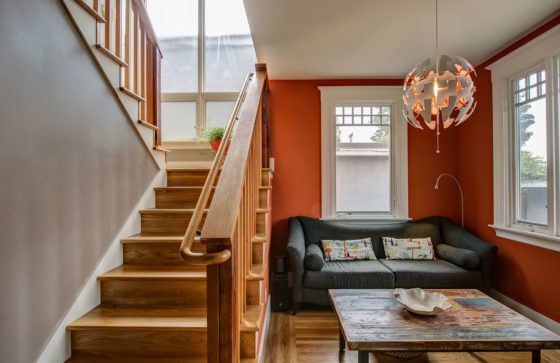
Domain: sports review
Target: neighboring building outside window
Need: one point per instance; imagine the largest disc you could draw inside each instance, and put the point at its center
(207, 53)
(364, 148)
(525, 86)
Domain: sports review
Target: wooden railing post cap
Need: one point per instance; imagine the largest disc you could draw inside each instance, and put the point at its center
(260, 67)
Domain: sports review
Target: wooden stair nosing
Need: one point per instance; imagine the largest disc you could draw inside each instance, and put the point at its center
(154, 273)
(169, 211)
(107, 317)
(170, 273)
(177, 238)
(94, 359)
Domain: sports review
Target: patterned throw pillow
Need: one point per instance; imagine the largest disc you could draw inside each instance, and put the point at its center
(358, 249)
(408, 248)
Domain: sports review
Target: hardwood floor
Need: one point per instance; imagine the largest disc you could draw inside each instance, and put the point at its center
(311, 336)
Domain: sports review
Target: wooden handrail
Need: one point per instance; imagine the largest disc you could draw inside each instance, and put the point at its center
(198, 258)
(220, 221)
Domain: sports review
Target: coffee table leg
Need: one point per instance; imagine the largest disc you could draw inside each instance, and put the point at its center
(536, 356)
(341, 342)
(363, 356)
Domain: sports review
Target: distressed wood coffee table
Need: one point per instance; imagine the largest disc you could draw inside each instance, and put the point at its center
(374, 321)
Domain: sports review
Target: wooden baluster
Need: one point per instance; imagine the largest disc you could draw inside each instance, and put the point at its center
(126, 45)
(108, 24)
(143, 68)
(118, 28)
(136, 30)
(156, 94)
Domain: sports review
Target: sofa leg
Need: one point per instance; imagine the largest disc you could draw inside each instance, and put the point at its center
(295, 308)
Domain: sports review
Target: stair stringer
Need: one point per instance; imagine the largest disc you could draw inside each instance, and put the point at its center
(86, 24)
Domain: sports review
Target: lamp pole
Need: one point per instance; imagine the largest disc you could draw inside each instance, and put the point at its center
(460, 190)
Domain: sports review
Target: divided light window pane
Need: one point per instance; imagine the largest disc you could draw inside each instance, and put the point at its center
(179, 120)
(218, 113)
(176, 25)
(531, 168)
(363, 160)
(229, 53)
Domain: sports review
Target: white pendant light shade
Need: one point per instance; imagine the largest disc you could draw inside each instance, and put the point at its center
(449, 92)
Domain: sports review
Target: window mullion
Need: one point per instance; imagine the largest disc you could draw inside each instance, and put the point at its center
(200, 104)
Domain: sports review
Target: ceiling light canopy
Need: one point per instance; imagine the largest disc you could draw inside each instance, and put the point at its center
(445, 89)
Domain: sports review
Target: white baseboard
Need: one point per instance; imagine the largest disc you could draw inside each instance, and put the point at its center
(528, 312)
(57, 348)
(262, 348)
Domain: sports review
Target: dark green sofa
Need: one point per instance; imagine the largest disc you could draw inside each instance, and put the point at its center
(311, 286)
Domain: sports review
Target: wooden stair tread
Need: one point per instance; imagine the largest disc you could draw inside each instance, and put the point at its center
(107, 317)
(120, 359)
(167, 210)
(153, 273)
(155, 238)
(195, 187)
(258, 272)
(175, 238)
(252, 318)
(188, 169)
(260, 238)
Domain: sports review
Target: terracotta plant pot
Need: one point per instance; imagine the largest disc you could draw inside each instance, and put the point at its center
(216, 145)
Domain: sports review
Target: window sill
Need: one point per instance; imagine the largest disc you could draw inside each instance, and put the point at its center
(532, 238)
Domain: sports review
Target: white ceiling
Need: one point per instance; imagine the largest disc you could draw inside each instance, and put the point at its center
(313, 39)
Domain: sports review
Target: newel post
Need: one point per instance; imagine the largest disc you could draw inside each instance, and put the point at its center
(223, 337)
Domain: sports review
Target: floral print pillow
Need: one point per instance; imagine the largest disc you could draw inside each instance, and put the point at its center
(408, 248)
(358, 249)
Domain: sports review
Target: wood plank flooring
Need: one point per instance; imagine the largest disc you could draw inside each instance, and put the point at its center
(311, 336)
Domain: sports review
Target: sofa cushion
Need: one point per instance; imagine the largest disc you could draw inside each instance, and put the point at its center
(316, 230)
(409, 248)
(464, 258)
(314, 258)
(363, 274)
(432, 274)
(348, 250)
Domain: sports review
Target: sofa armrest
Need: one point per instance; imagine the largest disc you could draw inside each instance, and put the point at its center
(456, 236)
(296, 252)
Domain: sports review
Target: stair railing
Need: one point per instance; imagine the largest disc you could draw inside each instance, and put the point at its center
(198, 258)
(232, 220)
(125, 34)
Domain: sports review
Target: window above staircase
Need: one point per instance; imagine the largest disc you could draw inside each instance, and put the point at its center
(208, 51)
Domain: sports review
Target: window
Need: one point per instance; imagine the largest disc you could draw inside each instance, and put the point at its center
(208, 51)
(531, 182)
(526, 135)
(364, 153)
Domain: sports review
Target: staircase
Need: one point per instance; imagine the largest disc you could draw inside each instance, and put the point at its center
(153, 307)
(179, 297)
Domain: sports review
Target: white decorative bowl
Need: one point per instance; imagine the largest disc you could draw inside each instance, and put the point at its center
(422, 302)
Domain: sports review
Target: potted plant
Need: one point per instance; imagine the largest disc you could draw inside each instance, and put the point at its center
(214, 135)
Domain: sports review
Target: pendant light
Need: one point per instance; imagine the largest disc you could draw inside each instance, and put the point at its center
(439, 95)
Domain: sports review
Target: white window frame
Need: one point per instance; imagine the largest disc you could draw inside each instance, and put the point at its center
(542, 52)
(201, 97)
(386, 95)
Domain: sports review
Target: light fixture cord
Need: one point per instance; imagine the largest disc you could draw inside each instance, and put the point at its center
(437, 74)
(437, 40)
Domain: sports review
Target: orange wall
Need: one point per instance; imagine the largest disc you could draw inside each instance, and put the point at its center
(295, 141)
(526, 273)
